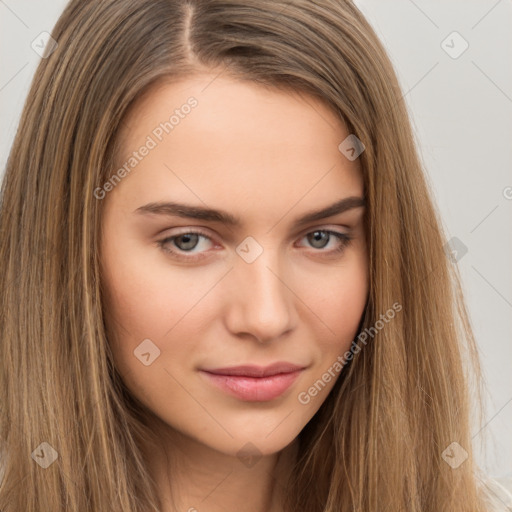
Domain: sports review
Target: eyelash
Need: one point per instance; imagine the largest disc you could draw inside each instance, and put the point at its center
(343, 238)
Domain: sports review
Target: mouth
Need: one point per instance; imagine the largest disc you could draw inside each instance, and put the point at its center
(253, 383)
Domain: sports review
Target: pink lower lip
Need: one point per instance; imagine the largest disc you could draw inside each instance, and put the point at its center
(254, 389)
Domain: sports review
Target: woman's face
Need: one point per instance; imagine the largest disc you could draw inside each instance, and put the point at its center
(233, 277)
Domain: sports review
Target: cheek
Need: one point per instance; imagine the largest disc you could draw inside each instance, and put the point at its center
(336, 310)
(337, 300)
(151, 300)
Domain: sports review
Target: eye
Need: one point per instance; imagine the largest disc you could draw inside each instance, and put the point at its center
(183, 246)
(183, 243)
(320, 238)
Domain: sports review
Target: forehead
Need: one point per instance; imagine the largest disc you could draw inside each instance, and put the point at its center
(240, 142)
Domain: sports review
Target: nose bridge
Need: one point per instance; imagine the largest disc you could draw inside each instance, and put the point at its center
(261, 304)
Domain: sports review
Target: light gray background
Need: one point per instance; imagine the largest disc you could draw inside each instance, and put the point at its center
(462, 115)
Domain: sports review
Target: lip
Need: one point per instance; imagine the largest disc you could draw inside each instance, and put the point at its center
(254, 383)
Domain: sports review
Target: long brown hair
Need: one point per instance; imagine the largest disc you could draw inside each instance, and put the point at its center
(377, 442)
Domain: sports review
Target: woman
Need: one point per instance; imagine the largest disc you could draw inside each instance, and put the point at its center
(225, 284)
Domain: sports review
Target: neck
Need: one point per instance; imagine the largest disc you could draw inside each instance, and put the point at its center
(193, 477)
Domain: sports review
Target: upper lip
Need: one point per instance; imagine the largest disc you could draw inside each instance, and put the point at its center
(257, 371)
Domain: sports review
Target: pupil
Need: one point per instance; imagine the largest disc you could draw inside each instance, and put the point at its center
(190, 239)
(320, 234)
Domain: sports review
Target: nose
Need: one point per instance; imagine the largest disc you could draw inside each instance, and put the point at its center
(260, 301)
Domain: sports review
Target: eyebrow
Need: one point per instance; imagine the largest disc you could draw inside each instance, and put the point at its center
(213, 215)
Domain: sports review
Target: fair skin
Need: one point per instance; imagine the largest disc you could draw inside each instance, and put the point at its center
(267, 157)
